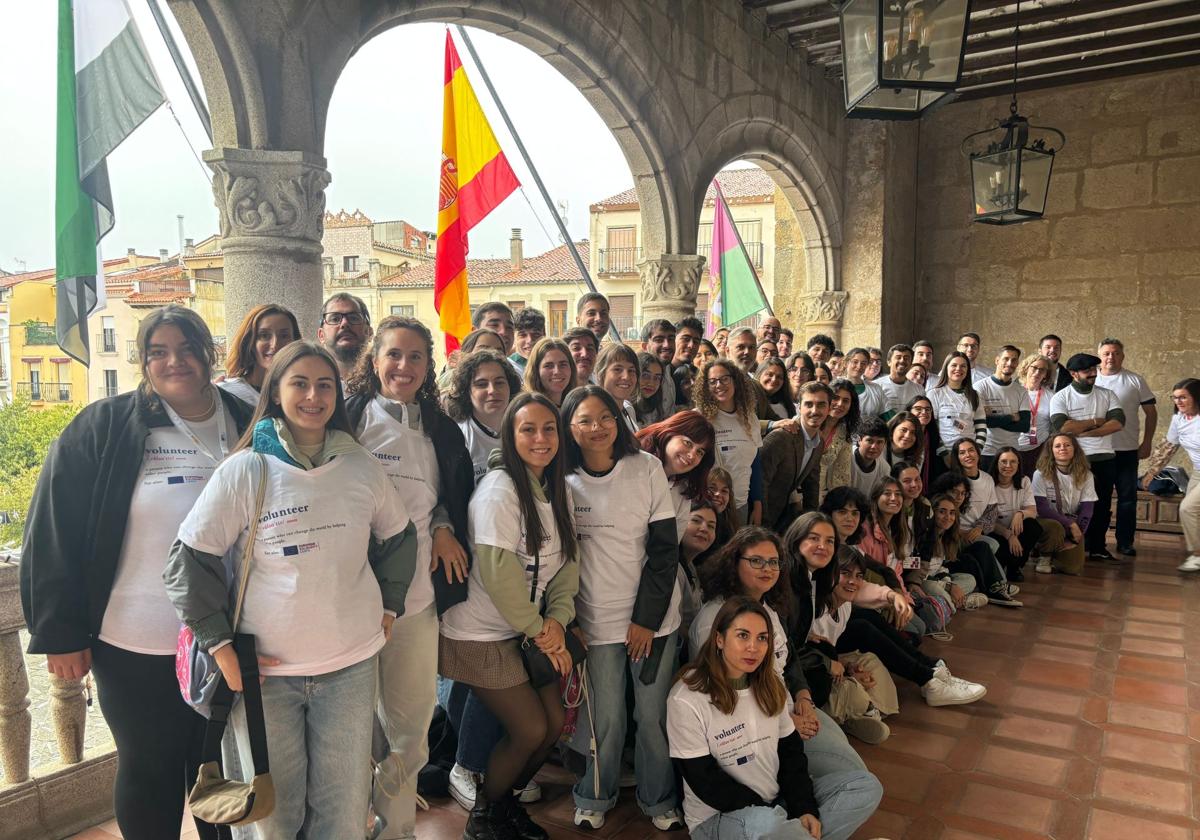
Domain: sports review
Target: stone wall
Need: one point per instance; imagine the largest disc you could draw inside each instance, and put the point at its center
(1118, 253)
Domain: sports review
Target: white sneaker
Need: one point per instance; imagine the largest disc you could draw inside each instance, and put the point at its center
(1044, 566)
(668, 821)
(975, 600)
(1192, 564)
(1013, 589)
(463, 785)
(589, 819)
(532, 792)
(941, 671)
(954, 692)
(869, 728)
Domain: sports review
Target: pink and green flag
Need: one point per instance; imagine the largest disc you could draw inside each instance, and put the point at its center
(734, 292)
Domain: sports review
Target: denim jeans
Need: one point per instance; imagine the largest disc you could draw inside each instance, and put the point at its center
(828, 752)
(846, 801)
(477, 729)
(319, 738)
(608, 666)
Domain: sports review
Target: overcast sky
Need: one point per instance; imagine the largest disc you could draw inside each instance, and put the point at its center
(383, 143)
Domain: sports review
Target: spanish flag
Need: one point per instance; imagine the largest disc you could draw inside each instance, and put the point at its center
(475, 178)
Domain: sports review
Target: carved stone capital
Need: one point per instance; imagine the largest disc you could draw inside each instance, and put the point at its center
(669, 285)
(269, 201)
(823, 308)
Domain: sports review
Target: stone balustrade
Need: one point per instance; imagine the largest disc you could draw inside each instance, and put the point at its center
(49, 799)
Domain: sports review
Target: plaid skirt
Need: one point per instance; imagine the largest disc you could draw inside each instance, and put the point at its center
(482, 664)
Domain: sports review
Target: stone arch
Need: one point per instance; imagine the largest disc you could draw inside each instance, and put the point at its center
(250, 53)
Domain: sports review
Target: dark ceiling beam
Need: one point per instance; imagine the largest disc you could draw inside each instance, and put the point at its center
(1089, 44)
(1074, 65)
(1093, 75)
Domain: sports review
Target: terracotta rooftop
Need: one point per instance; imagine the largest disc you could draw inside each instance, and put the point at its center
(737, 184)
(8, 281)
(553, 266)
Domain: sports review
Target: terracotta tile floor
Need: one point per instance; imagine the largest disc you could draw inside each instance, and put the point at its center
(1090, 730)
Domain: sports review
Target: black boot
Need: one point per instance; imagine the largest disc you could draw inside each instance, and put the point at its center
(488, 821)
(518, 819)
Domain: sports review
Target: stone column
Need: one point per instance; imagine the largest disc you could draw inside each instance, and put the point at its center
(15, 721)
(669, 286)
(271, 207)
(822, 312)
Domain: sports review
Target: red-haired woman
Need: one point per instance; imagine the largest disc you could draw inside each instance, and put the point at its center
(685, 443)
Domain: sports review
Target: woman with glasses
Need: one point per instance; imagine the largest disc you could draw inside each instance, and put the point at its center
(628, 603)
(724, 397)
(838, 450)
(1033, 374)
(1184, 432)
(921, 408)
(800, 369)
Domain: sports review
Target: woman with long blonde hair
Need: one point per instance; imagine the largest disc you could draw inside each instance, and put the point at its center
(1065, 491)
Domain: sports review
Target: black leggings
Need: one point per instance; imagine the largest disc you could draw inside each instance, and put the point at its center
(1031, 535)
(158, 739)
(977, 560)
(869, 632)
(532, 721)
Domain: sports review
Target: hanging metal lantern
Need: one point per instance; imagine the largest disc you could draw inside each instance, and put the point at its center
(1010, 176)
(900, 56)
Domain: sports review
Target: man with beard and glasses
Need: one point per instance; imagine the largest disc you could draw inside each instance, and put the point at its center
(345, 327)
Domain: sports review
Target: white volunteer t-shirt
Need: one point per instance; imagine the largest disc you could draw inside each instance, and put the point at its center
(983, 496)
(613, 513)
(896, 397)
(702, 627)
(1072, 496)
(831, 625)
(494, 519)
(1016, 496)
(407, 457)
(1185, 431)
(996, 399)
(1131, 390)
(312, 600)
(683, 507)
(871, 402)
(736, 451)
(139, 616)
(866, 482)
(1092, 405)
(481, 442)
(980, 373)
(954, 415)
(745, 743)
(1039, 420)
(241, 389)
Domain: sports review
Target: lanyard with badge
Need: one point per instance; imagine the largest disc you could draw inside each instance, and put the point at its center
(1033, 437)
(222, 433)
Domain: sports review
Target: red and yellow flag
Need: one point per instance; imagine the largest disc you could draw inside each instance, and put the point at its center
(475, 178)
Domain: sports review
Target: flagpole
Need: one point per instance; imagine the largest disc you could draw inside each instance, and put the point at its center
(181, 67)
(742, 245)
(537, 179)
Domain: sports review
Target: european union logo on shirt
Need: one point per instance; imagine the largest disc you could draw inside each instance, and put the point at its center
(291, 550)
(174, 479)
(745, 759)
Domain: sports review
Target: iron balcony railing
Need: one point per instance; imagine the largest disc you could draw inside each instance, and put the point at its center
(619, 260)
(37, 333)
(753, 249)
(45, 391)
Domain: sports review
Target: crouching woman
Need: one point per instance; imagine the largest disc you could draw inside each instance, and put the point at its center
(331, 564)
(743, 764)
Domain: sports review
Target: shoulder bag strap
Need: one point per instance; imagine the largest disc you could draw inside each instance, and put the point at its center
(248, 549)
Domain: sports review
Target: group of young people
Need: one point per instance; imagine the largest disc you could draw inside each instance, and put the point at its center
(721, 551)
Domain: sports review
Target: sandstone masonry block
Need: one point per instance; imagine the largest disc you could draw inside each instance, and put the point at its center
(1119, 143)
(1084, 236)
(1175, 134)
(1123, 185)
(1178, 180)
(1062, 198)
(1168, 290)
(1172, 263)
(1050, 275)
(1158, 229)
(1132, 320)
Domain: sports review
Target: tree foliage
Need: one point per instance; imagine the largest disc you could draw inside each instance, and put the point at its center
(25, 437)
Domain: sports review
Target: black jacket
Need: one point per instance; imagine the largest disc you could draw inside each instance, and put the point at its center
(76, 523)
(456, 483)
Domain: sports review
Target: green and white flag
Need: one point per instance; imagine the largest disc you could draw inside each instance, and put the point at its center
(106, 88)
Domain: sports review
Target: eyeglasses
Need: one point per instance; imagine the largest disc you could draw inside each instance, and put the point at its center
(718, 381)
(354, 319)
(652, 377)
(762, 562)
(605, 422)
